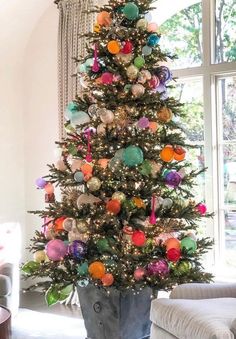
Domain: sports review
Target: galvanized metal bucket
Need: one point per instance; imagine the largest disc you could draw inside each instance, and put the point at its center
(117, 315)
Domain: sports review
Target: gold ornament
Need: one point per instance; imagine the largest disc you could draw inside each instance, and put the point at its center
(132, 72)
(82, 226)
(165, 114)
(94, 184)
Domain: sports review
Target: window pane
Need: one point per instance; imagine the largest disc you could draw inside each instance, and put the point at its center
(225, 31)
(182, 35)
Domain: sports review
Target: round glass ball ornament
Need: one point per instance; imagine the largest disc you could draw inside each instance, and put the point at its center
(165, 114)
(124, 58)
(101, 129)
(188, 244)
(106, 116)
(56, 249)
(107, 78)
(127, 47)
(138, 238)
(79, 176)
(97, 270)
(94, 184)
(68, 224)
(173, 179)
(81, 226)
(40, 256)
(49, 188)
(104, 19)
(173, 254)
(142, 24)
(115, 164)
(113, 206)
(179, 153)
(167, 203)
(119, 153)
(152, 27)
(137, 90)
(132, 72)
(153, 40)
(143, 122)
(183, 267)
(77, 249)
(172, 243)
(167, 154)
(201, 208)
(131, 11)
(132, 156)
(139, 62)
(158, 268)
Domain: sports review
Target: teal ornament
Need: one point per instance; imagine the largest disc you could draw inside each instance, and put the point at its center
(83, 68)
(131, 11)
(132, 156)
(89, 62)
(72, 107)
(146, 168)
(127, 88)
(188, 244)
(82, 269)
(119, 154)
(79, 118)
(83, 282)
(153, 40)
(146, 50)
(139, 62)
(79, 176)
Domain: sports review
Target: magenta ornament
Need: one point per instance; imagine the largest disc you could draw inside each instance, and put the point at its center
(41, 183)
(173, 179)
(56, 249)
(201, 208)
(143, 122)
(107, 78)
(139, 273)
(152, 218)
(96, 66)
(158, 268)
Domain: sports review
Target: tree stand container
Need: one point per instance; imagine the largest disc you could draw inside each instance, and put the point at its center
(117, 315)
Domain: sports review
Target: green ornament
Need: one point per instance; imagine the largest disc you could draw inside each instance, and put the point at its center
(132, 156)
(82, 269)
(188, 244)
(129, 205)
(183, 267)
(30, 267)
(131, 11)
(103, 245)
(52, 296)
(65, 292)
(145, 168)
(149, 246)
(139, 62)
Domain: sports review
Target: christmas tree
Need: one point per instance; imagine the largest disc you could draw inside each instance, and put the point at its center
(126, 217)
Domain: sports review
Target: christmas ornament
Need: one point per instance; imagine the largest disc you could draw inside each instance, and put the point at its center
(78, 249)
(131, 11)
(79, 118)
(138, 202)
(124, 58)
(139, 62)
(92, 110)
(82, 269)
(132, 156)
(156, 168)
(56, 249)
(146, 50)
(167, 154)
(137, 90)
(83, 282)
(163, 237)
(106, 116)
(153, 82)
(113, 46)
(142, 24)
(87, 199)
(119, 196)
(89, 62)
(165, 114)
(201, 208)
(164, 74)
(115, 164)
(167, 203)
(119, 154)
(107, 78)
(41, 183)
(72, 107)
(172, 243)
(96, 66)
(127, 47)
(79, 176)
(81, 226)
(132, 72)
(158, 268)
(182, 172)
(103, 163)
(173, 254)
(68, 224)
(103, 245)
(40, 256)
(97, 270)
(113, 206)
(58, 224)
(153, 126)
(188, 244)
(153, 40)
(61, 166)
(107, 279)
(145, 168)
(104, 19)
(152, 27)
(138, 238)
(76, 165)
(158, 203)
(49, 188)
(139, 273)
(86, 169)
(173, 179)
(152, 218)
(97, 28)
(30, 267)
(183, 267)
(101, 129)
(127, 233)
(179, 153)
(94, 184)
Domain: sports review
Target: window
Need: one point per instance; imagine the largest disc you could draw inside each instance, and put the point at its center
(203, 34)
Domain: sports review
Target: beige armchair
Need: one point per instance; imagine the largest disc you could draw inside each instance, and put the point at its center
(196, 311)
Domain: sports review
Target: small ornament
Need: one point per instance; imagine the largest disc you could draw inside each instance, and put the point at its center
(56, 249)
(94, 184)
(97, 28)
(183, 267)
(119, 154)
(145, 168)
(127, 47)
(49, 198)
(138, 202)
(132, 156)
(103, 163)
(79, 176)
(101, 129)
(152, 218)
(89, 199)
(78, 249)
(158, 202)
(58, 224)
(97, 270)
(139, 238)
(137, 90)
(172, 243)
(41, 183)
(119, 196)
(104, 19)
(49, 188)
(139, 273)
(142, 24)
(158, 268)
(167, 203)
(152, 27)
(115, 164)
(139, 62)
(89, 62)
(163, 74)
(188, 244)
(153, 126)
(96, 66)
(40, 256)
(132, 72)
(113, 206)
(107, 279)
(173, 179)
(179, 153)
(93, 109)
(131, 11)
(153, 82)
(30, 267)
(76, 164)
(106, 116)
(68, 224)
(201, 208)
(81, 226)
(167, 154)
(153, 40)
(173, 254)
(146, 50)
(103, 245)
(165, 114)
(127, 233)
(124, 58)
(107, 78)
(113, 46)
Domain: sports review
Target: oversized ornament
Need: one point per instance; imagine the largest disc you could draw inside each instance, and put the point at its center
(124, 58)
(172, 243)
(107, 78)
(137, 90)
(167, 203)
(68, 224)
(139, 273)
(153, 126)
(119, 196)
(179, 153)
(146, 50)
(76, 165)
(41, 183)
(139, 238)
(87, 199)
(139, 62)
(142, 24)
(188, 244)
(158, 268)
(94, 184)
(40, 256)
(77, 249)
(106, 116)
(101, 129)
(201, 208)
(127, 47)
(173, 179)
(81, 226)
(103, 163)
(153, 40)
(56, 249)
(165, 114)
(167, 154)
(97, 270)
(131, 11)
(132, 72)
(132, 156)
(79, 176)
(113, 206)
(152, 27)
(104, 19)
(107, 279)
(173, 254)
(113, 46)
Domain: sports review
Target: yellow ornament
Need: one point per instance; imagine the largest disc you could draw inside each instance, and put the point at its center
(138, 202)
(97, 28)
(94, 184)
(40, 256)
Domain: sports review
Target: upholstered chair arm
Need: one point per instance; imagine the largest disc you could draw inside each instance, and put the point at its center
(203, 291)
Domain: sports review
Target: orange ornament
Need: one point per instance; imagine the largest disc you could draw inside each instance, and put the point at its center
(138, 202)
(167, 154)
(165, 114)
(107, 279)
(179, 153)
(86, 169)
(172, 243)
(153, 126)
(49, 188)
(113, 47)
(113, 206)
(97, 270)
(104, 19)
(103, 163)
(58, 224)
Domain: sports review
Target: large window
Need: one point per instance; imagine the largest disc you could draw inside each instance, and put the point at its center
(203, 36)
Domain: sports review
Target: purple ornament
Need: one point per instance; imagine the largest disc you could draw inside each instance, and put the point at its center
(143, 122)
(78, 249)
(163, 74)
(173, 179)
(56, 249)
(161, 88)
(41, 183)
(158, 268)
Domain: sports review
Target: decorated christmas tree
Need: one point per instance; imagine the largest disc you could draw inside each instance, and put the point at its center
(126, 218)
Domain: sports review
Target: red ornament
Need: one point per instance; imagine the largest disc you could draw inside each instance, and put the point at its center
(113, 206)
(139, 238)
(173, 254)
(201, 208)
(127, 48)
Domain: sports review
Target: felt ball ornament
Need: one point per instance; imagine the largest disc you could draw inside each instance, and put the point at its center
(77, 249)
(106, 116)
(49, 188)
(97, 270)
(165, 114)
(139, 273)
(113, 206)
(131, 11)
(56, 249)
(107, 78)
(142, 24)
(94, 184)
(153, 40)
(179, 153)
(127, 47)
(137, 90)
(86, 169)
(188, 244)
(104, 19)
(41, 183)
(153, 126)
(132, 156)
(173, 254)
(139, 62)
(132, 72)
(172, 243)
(158, 268)
(201, 208)
(79, 176)
(167, 154)
(139, 238)
(40, 256)
(69, 223)
(119, 196)
(107, 279)
(113, 47)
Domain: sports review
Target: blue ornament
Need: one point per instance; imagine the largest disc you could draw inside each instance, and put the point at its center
(132, 156)
(146, 50)
(153, 40)
(83, 68)
(78, 249)
(79, 176)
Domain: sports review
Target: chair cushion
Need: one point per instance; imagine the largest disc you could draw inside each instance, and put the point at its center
(195, 319)
(5, 285)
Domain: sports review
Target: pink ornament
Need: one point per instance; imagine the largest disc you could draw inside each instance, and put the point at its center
(152, 27)
(152, 218)
(137, 90)
(56, 249)
(158, 268)
(107, 78)
(201, 208)
(143, 122)
(96, 66)
(154, 82)
(49, 188)
(139, 273)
